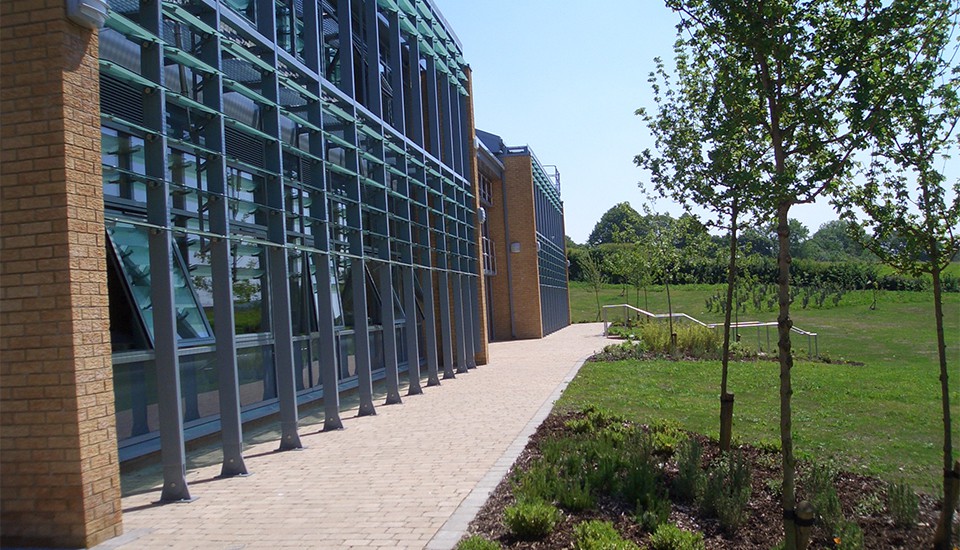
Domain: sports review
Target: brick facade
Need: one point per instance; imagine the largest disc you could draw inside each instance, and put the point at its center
(481, 348)
(58, 453)
(524, 270)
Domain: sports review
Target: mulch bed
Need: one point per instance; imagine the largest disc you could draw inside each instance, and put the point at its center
(762, 530)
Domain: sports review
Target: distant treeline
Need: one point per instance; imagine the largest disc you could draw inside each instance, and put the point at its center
(830, 257)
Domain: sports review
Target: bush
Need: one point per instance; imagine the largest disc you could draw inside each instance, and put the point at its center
(531, 520)
(690, 476)
(599, 535)
(538, 482)
(476, 542)
(903, 504)
(818, 483)
(653, 512)
(848, 536)
(671, 537)
(727, 490)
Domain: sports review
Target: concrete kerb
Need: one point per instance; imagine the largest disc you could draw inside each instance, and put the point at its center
(456, 526)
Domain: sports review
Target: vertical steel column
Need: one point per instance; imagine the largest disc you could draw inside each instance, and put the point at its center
(361, 325)
(396, 71)
(406, 250)
(456, 122)
(389, 319)
(387, 314)
(451, 234)
(415, 132)
(374, 99)
(345, 36)
(443, 273)
(410, 324)
(228, 380)
(173, 456)
(425, 274)
(312, 54)
(277, 266)
(432, 119)
(450, 188)
(361, 329)
(475, 300)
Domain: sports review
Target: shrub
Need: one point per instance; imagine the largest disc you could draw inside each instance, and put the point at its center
(574, 495)
(476, 542)
(653, 512)
(599, 535)
(538, 482)
(671, 537)
(531, 520)
(848, 536)
(727, 490)
(903, 504)
(818, 483)
(690, 476)
(666, 436)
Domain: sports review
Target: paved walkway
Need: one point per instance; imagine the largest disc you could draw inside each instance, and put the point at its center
(411, 477)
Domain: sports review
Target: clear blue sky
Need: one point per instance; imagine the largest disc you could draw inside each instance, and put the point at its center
(565, 78)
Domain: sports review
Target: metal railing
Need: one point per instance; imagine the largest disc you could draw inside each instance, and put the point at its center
(813, 347)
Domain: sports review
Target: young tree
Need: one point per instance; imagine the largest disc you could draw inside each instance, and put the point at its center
(592, 274)
(667, 247)
(905, 199)
(706, 158)
(804, 62)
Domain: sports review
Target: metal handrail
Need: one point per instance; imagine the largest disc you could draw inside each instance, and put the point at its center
(813, 346)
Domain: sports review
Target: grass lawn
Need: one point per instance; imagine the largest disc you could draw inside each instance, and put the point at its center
(882, 418)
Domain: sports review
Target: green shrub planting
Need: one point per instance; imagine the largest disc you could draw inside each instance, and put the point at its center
(531, 520)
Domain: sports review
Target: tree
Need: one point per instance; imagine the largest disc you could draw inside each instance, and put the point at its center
(667, 247)
(905, 200)
(638, 273)
(807, 65)
(593, 275)
(619, 224)
(835, 241)
(702, 160)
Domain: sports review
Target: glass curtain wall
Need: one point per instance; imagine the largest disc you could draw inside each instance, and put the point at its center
(551, 252)
(297, 148)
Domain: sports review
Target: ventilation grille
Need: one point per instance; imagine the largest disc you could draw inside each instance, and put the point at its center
(121, 100)
(244, 148)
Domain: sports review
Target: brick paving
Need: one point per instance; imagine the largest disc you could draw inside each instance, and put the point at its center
(412, 476)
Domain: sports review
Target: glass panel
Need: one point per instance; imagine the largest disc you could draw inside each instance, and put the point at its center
(198, 384)
(135, 393)
(376, 349)
(132, 249)
(249, 305)
(348, 355)
(122, 160)
(257, 376)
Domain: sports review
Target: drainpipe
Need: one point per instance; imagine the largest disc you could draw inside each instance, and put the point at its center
(506, 232)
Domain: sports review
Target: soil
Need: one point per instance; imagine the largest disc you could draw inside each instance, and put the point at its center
(762, 530)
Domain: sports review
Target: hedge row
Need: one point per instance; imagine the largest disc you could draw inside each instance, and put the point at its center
(845, 275)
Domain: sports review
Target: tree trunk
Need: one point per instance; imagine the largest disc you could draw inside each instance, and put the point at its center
(951, 471)
(726, 399)
(596, 291)
(673, 337)
(784, 324)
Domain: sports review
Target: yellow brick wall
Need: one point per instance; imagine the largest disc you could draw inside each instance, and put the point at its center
(59, 475)
(481, 348)
(524, 274)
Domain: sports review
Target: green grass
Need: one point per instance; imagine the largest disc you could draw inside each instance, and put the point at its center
(875, 421)
(880, 418)
(900, 332)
